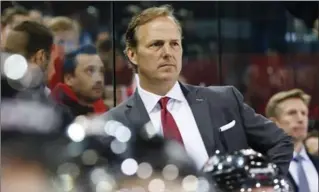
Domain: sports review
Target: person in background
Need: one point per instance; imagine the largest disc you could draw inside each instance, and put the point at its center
(36, 15)
(83, 82)
(122, 70)
(103, 35)
(46, 19)
(10, 18)
(66, 39)
(289, 110)
(66, 33)
(33, 41)
(105, 50)
(312, 143)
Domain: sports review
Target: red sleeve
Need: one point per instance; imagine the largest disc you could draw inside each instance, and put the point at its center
(56, 73)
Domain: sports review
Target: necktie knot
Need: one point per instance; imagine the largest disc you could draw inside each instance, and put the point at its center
(163, 102)
(298, 158)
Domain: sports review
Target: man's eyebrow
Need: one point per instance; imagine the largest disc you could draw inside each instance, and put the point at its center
(153, 40)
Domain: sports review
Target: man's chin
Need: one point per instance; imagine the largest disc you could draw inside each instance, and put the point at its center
(96, 98)
(92, 99)
(168, 77)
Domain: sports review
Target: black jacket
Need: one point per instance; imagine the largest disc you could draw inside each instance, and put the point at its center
(37, 94)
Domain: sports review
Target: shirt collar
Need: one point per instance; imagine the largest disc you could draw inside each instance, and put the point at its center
(302, 153)
(150, 100)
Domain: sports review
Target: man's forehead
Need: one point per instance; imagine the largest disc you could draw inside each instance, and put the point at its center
(162, 28)
(71, 33)
(292, 103)
(93, 59)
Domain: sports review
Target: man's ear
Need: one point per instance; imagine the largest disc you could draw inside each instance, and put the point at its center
(68, 79)
(131, 55)
(40, 59)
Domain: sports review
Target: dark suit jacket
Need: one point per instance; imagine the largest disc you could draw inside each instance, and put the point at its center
(212, 108)
(315, 161)
(37, 94)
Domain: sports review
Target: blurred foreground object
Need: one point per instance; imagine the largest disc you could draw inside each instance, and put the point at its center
(29, 133)
(17, 74)
(143, 162)
(22, 84)
(245, 170)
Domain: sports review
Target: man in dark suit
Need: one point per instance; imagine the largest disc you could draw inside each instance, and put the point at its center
(32, 41)
(202, 119)
(289, 110)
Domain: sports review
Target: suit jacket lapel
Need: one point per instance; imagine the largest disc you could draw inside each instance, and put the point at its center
(136, 112)
(292, 182)
(200, 108)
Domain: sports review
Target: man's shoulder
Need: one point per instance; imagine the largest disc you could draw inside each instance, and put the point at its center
(227, 89)
(221, 91)
(117, 112)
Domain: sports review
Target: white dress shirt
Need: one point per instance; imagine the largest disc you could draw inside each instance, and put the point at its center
(183, 116)
(310, 170)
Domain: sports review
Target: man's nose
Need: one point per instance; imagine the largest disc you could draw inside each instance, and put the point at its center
(301, 118)
(98, 78)
(167, 50)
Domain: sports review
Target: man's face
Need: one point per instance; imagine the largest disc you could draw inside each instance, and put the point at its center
(88, 79)
(159, 50)
(293, 118)
(69, 40)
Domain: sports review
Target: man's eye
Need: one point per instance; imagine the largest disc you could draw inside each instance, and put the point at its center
(156, 44)
(90, 70)
(175, 44)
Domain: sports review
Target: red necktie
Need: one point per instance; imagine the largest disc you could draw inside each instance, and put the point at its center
(169, 125)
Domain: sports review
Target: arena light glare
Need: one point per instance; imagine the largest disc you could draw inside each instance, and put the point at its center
(15, 67)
